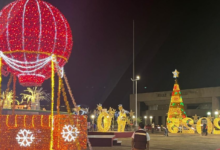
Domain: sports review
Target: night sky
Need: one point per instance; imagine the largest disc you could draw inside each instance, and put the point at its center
(169, 35)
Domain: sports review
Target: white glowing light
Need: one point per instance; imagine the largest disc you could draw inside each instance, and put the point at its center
(23, 27)
(66, 33)
(38, 75)
(7, 32)
(40, 33)
(55, 24)
(25, 137)
(69, 133)
(22, 66)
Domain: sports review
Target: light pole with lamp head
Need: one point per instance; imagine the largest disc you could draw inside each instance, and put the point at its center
(145, 117)
(92, 116)
(216, 114)
(135, 80)
(151, 119)
(209, 114)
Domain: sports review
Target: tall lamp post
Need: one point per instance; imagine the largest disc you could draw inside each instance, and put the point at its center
(135, 80)
(92, 116)
(151, 119)
(216, 114)
(145, 117)
(209, 114)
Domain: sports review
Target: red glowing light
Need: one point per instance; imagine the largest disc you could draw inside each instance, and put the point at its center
(31, 30)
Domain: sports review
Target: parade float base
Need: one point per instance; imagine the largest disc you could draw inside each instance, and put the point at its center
(33, 132)
(107, 139)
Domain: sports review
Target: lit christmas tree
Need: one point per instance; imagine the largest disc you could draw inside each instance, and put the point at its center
(176, 109)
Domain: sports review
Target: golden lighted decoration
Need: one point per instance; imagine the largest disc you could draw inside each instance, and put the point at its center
(104, 119)
(99, 107)
(176, 74)
(185, 123)
(173, 125)
(121, 119)
(195, 118)
(200, 125)
(176, 108)
(52, 102)
(131, 113)
(8, 96)
(6, 91)
(216, 125)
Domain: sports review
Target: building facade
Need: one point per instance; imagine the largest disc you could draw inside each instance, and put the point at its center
(156, 104)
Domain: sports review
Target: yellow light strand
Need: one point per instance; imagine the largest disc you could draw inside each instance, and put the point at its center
(58, 96)
(32, 121)
(24, 120)
(70, 92)
(52, 100)
(41, 122)
(58, 108)
(16, 121)
(7, 120)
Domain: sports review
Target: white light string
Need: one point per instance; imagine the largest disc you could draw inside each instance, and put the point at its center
(19, 65)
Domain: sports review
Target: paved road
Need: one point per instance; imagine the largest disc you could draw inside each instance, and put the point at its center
(174, 142)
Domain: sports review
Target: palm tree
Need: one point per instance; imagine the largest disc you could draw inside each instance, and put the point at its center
(8, 99)
(35, 95)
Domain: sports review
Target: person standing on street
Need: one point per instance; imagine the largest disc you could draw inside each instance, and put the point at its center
(166, 131)
(140, 139)
(152, 126)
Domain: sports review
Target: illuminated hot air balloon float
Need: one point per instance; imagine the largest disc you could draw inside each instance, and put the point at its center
(35, 43)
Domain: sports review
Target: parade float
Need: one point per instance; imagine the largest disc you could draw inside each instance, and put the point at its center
(35, 44)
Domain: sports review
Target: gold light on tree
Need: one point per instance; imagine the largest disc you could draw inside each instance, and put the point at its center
(8, 96)
(121, 119)
(104, 119)
(34, 96)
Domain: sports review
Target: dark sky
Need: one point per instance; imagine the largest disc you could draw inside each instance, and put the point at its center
(169, 35)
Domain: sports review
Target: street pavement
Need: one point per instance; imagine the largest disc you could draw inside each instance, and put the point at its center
(173, 142)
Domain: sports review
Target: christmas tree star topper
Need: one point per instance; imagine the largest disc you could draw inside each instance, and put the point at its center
(175, 74)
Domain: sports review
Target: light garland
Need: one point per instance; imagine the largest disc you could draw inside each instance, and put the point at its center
(34, 52)
(52, 101)
(70, 92)
(58, 95)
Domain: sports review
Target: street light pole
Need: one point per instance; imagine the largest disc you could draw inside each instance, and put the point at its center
(135, 80)
(145, 117)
